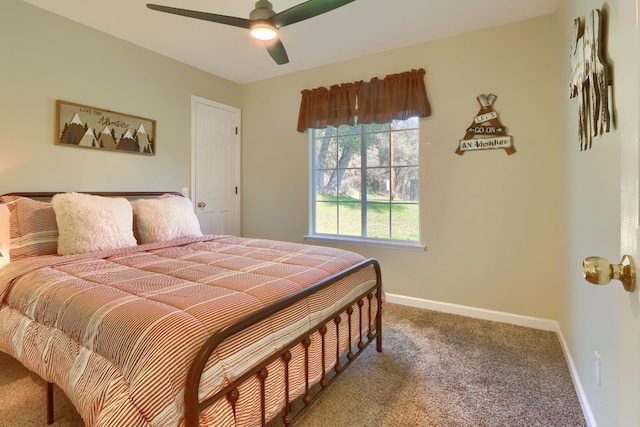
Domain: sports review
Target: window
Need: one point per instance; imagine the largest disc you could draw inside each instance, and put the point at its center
(365, 182)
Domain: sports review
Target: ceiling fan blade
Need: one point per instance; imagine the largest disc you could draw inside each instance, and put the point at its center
(277, 51)
(212, 17)
(306, 10)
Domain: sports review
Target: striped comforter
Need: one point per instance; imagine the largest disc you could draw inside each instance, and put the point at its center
(117, 330)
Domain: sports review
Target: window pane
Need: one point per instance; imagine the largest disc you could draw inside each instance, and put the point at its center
(348, 130)
(377, 149)
(376, 127)
(350, 203)
(350, 219)
(405, 221)
(378, 196)
(324, 184)
(326, 216)
(378, 220)
(412, 123)
(378, 184)
(405, 148)
(350, 185)
(325, 153)
(349, 152)
(406, 184)
(322, 133)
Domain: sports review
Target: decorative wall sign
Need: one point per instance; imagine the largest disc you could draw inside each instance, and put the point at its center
(89, 127)
(486, 132)
(589, 79)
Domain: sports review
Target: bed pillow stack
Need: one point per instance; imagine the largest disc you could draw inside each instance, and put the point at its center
(77, 223)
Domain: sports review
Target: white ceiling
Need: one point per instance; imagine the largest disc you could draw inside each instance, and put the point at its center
(359, 28)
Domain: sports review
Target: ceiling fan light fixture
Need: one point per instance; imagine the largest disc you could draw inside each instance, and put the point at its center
(263, 22)
(264, 31)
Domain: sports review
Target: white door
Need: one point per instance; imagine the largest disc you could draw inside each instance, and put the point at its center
(215, 166)
(628, 90)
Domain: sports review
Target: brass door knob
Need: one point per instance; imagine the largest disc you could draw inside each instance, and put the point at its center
(599, 271)
(201, 204)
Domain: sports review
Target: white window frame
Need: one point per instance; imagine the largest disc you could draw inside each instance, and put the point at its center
(411, 245)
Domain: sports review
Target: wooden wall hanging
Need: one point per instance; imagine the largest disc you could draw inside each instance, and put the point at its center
(486, 132)
(589, 79)
(96, 128)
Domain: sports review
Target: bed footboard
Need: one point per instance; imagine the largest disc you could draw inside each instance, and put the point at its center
(362, 316)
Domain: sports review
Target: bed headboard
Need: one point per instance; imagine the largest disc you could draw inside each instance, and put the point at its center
(125, 194)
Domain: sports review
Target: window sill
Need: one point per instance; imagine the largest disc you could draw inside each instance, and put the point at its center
(387, 244)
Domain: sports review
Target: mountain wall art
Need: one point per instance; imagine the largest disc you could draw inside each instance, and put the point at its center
(91, 127)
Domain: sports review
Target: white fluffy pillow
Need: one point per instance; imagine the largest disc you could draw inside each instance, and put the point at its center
(88, 223)
(165, 219)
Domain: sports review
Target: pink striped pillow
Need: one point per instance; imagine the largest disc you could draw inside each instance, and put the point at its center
(33, 229)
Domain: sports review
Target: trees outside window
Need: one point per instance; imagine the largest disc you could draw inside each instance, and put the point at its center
(366, 181)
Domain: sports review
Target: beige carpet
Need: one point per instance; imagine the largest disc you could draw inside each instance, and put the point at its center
(436, 370)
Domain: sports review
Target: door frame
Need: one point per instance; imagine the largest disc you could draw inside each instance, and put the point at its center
(628, 74)
(192, 185)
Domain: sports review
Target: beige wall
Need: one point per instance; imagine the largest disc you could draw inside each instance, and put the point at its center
(44, 58)
(489, 220)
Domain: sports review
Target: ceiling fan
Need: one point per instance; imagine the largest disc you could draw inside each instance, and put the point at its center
(263, 22)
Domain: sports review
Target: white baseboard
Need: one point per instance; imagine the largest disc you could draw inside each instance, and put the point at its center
(584, 403)
(514, 319)
(478, 313)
